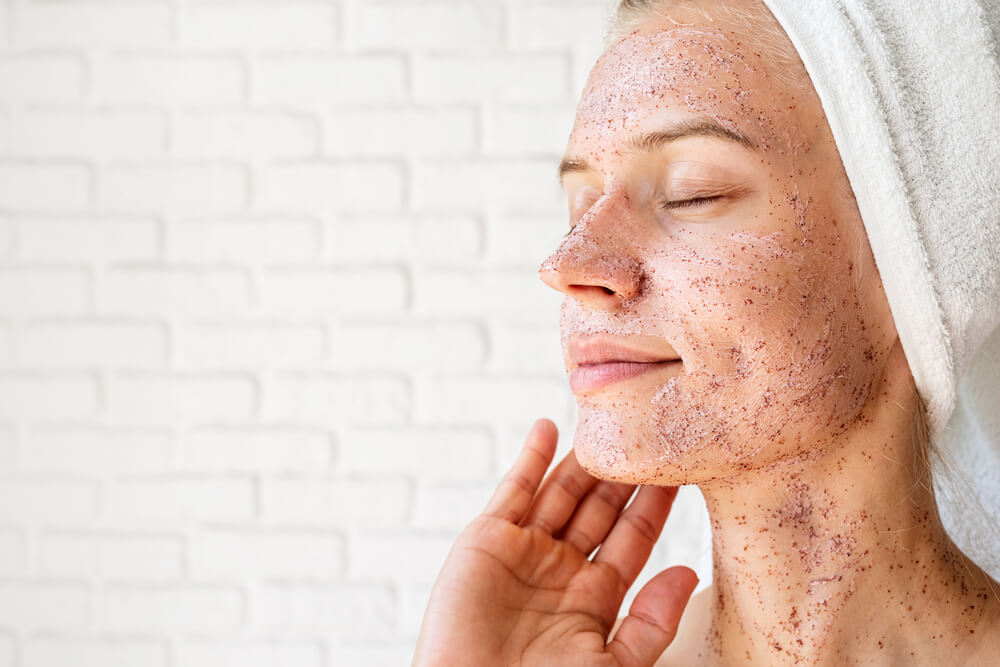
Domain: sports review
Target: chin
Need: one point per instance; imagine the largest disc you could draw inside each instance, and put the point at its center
(610, 466)
(673, 448)
(615, 446)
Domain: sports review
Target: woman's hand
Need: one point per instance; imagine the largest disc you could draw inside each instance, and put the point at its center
(517, 587)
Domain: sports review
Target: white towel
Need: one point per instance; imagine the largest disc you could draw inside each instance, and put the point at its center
(911, 89)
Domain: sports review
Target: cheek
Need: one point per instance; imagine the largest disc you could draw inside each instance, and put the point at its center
(731, 300)
(779, 354)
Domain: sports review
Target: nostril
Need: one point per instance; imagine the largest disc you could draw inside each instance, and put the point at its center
(584, 288)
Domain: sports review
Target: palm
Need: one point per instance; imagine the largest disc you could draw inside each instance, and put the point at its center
(518, 587)
(533, 584)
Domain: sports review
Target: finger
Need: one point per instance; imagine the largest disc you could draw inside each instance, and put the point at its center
(513, 495)
(594, 517)
(560, 495)
(631, 539)
(652, 620)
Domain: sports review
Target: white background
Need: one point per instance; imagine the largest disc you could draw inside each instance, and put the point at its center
(270, 324)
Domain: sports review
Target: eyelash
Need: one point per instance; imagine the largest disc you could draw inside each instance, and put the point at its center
(679, 203)
(685, 203)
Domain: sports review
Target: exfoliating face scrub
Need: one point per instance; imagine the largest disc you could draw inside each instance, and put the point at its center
(711, 221)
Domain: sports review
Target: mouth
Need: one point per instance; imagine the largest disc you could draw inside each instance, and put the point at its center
(599, 361)
(591, 377)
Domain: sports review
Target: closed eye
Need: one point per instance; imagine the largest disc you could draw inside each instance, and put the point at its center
(679, 203)
(694, 201)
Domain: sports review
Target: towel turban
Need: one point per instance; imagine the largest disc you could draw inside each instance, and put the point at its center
(911, 89)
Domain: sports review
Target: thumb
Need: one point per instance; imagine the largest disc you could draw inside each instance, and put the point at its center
(653, 618)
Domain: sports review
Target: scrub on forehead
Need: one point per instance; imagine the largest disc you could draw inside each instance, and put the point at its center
(764, 292)
(646, 77)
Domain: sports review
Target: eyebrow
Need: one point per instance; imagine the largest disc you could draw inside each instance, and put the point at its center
(651, 141)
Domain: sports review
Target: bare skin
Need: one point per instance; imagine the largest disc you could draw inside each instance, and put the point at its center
(517, 587)
(792, 406)
(840, 558)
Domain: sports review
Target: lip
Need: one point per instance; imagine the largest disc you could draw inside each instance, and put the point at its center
(599, 360)
(591, 377)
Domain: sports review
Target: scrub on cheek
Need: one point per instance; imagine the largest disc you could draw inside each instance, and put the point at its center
(751, 291)
(714, 224)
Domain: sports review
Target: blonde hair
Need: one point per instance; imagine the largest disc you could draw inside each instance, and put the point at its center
(925, 449)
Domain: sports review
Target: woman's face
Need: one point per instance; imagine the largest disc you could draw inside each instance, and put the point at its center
(730, 240)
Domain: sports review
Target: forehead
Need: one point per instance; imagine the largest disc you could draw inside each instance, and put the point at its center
(652, 77)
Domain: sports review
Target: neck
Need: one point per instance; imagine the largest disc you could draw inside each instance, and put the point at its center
(840, 552)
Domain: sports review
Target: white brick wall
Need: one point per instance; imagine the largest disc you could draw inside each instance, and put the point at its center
(270, 326)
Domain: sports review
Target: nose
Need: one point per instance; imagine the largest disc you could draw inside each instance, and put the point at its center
(595, 264)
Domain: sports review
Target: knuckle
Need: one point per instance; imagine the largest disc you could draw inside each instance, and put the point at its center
(668, 632)
(570, 485)
(520, 481)
(539, 454)
(506, 514)
(613, 497)
(581, 539)
(641, 525)
(543, 524)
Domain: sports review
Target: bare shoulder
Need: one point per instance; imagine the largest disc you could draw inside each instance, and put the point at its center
(690, 633)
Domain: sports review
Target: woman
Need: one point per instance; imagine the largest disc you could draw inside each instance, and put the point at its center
(726, 325)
